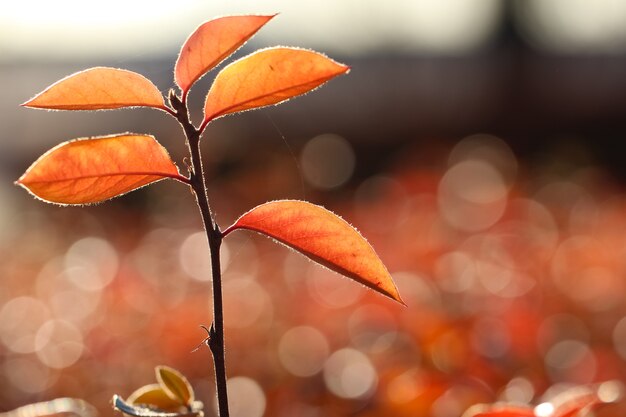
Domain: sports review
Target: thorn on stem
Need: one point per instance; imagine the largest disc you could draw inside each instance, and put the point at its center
(207, 339)
(187, 164)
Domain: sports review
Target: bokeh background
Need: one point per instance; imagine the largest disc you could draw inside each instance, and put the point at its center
(479, 145)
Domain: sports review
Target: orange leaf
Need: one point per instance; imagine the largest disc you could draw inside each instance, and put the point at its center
(97, 89)
(92, 170)
(266, 77)
(174, 384)
(322, 236)
(211, 43)
(154, 396)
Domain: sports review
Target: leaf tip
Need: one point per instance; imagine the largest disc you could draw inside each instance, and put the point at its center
(401, 301)
(30, 103)
(392, 292)
(21, 182)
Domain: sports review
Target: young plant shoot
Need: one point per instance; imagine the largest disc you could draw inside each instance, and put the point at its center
(91, 170)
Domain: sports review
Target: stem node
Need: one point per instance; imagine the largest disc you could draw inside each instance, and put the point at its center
(175, 102)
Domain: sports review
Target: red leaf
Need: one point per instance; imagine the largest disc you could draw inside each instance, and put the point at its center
(211, 43)
(266, 77)
(92, 170)
(322, 236)
(98, 89)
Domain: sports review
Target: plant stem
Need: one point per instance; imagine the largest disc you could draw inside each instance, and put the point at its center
(216, 335)
(197, 182)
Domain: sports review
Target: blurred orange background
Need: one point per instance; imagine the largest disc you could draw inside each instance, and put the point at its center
(478, 145)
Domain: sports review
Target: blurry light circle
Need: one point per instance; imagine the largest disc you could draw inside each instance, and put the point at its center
(455, 271)
(619, 337)
(448, 404)
(74, 305)
(372, 328)
(331, 289)
(20, 319)
(610, 391)
(535, 227)
(303, 350)
(585, 215)
(155, 258)
(472, 196)
(519, 390)
(348, 373)
(27, 375)
(544, 410)
(495, 278)
(327, 161)
(487, 148)
(195, 259)
(417, 290)
(497, 270)
(158, 262)
(582, 271)
(571, 359)
(598, 288)
(245, 397)
(294, 265)
(405, 387)
(476, 182)
(245, 302)
(59, 344)
(91, 263)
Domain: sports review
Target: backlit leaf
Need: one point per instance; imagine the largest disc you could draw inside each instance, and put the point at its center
(266, 77)
(174, 384)
(211, 43)
(92, 170)
(322, 236)
(153, 395)
(97, 89)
